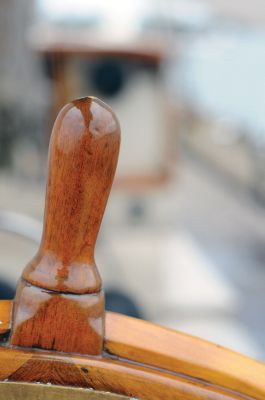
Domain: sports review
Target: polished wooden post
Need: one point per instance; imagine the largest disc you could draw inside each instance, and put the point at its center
(59, 302)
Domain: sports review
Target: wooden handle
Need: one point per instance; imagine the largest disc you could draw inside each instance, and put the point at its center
(61, 286)
(82, 161)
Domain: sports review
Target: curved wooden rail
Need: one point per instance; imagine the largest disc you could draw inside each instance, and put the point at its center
(142, 360)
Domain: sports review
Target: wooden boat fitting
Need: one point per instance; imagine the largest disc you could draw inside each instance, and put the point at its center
(57, 341)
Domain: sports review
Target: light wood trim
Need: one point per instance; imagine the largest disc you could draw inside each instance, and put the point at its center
(152, 345)
(38, 391)
(103, 374)
(144, 342)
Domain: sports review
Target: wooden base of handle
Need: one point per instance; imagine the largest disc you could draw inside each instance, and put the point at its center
(49, 320)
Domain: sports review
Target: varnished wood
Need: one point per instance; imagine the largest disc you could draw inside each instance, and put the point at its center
(83, 155)
(59, 302)
(160, 349)
(71, 323)
(38, 391)
(146, 343)
(5, 313)
(105, 374)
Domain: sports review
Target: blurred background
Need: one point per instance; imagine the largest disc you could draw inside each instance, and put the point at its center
(183, 240)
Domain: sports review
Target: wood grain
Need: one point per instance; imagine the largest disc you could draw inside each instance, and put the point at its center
(160, 349)
(5, 313)
(103, 374)
(72, 323)
(143, 342)
(59, 302)
(83, 156)
(61, 286)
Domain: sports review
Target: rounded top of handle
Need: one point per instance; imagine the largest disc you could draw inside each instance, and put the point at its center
(83, 155)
